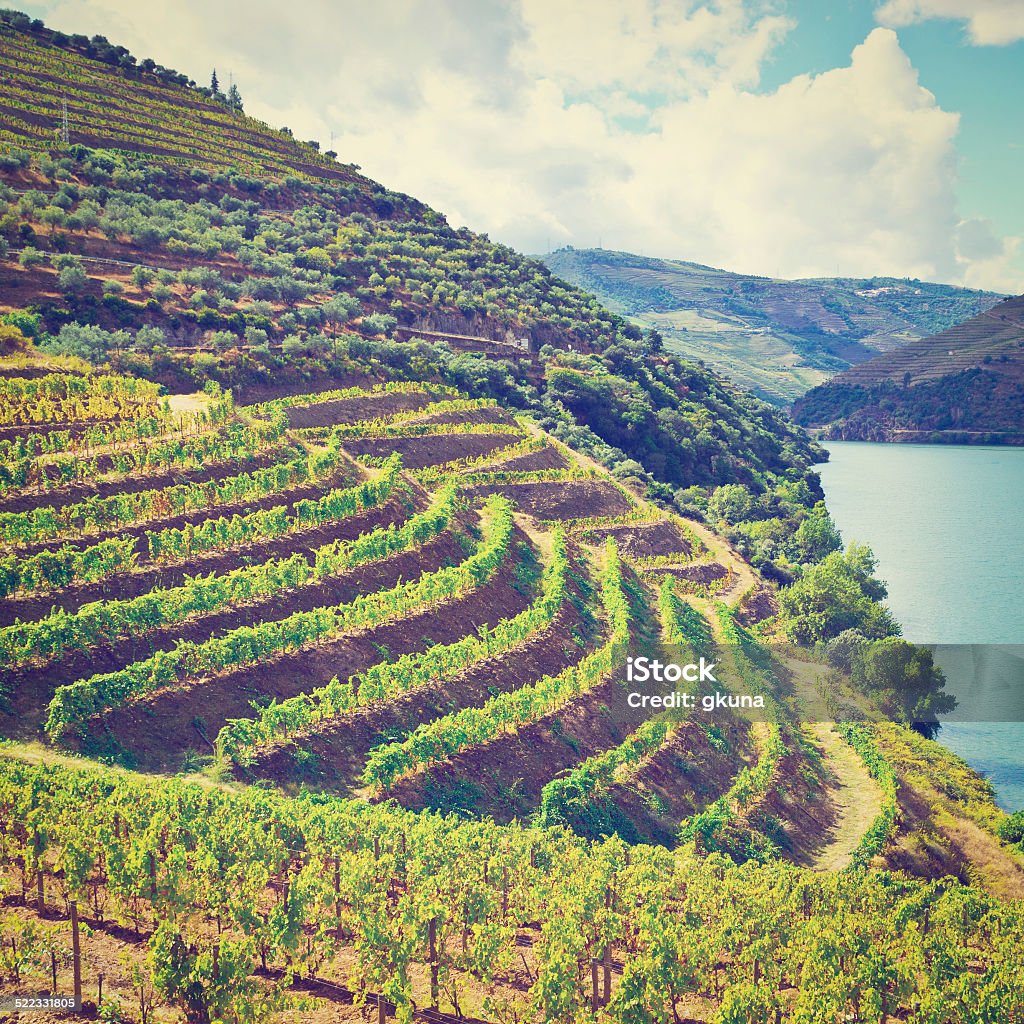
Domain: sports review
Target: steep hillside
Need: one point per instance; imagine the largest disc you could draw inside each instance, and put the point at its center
(776, 338)
(965, 385)
(115, 102)
(325, 534)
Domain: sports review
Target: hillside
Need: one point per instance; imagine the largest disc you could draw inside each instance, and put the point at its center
(773, 337)
(964, 386)
(325, 534)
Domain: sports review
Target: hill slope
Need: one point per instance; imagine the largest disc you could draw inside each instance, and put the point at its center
(252, 638)
(964, 385)
(776, 338)
(117, 103)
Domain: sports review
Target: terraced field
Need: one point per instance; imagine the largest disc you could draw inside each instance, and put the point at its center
(406, 625)
(167, 121)
(312, 681)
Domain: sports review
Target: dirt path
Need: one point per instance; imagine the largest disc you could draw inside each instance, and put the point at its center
(856, 797)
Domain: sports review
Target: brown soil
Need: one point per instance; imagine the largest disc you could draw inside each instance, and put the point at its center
(488, 415)
(131, 584)
(506, 776)
(573, 499)
(288, 496)
(354, 410)
(546, 458)
(798, 812)
(8, 433)
(32, 688)
(159, 727)
(647, 540)
(137, 480)
(758, 605)
(684, 775)
(419, 452)
(339, 749)
(257, 392)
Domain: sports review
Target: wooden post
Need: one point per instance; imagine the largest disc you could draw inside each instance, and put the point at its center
(337, 894)
(152, 876)
(595, 999)
(432, 952)
(40, 895)
(504, 893)
(99, 991)
(76, 953)
(607, 974)
(53, 970)
(382, 1010)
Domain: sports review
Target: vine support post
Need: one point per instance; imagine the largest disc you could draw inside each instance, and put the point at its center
(607, 979)
(337, 894)
(432, 953)
(76, 953)
(595, 998)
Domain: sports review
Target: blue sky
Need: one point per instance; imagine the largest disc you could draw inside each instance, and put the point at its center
(983, 83)
(782, 137)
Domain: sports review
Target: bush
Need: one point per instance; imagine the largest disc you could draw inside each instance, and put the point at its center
(147, 338)
(379, 323)
(85, 341)
(223, 340)
(837, 594)
(11, 340)
(31, 257)
(72, 281)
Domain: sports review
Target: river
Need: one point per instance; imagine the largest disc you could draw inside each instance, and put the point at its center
(945, 523)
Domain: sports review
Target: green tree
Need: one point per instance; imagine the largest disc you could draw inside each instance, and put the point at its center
(72, 281)
(817, 535)
(904, 681)
(731, 502)
(836, 594)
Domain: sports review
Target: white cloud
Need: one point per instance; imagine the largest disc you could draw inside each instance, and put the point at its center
(989, 22)
(551, 122)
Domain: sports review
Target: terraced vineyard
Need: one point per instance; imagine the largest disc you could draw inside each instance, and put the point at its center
(326, 534)
(436, 636)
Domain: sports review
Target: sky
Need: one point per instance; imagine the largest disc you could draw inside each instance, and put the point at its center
(789, 138)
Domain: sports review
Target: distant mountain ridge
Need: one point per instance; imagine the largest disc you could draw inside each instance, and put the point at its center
(963, 385)
(774, 337)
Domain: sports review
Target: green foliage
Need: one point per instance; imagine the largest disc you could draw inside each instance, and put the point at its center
(903, 680)
(834, 595)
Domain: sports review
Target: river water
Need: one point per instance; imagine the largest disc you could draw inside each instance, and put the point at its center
(945, 523)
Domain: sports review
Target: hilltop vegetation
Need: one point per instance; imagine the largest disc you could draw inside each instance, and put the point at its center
(291, 281)
(963, 386)
(776, 338)
(325, 530)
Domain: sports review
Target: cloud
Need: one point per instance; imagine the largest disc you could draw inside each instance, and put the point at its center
(989, 22)
(639, 125)
(988, 258)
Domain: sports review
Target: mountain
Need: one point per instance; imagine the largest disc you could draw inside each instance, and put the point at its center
(964, 385)
(325, 533)
(773, 337)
